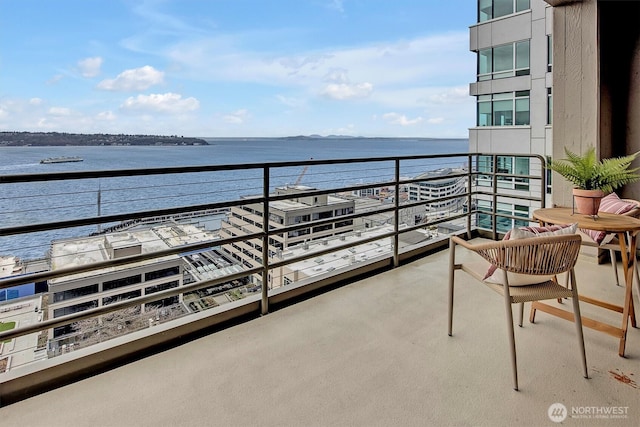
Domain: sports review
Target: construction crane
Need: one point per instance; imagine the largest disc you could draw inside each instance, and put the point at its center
(304, 170)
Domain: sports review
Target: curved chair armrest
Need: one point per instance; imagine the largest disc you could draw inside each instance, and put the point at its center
(547, 255)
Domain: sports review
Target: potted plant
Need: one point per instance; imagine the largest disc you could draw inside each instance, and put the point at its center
(592, 178)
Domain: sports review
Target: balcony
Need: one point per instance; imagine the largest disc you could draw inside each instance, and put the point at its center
(351, 346)
(373, 352)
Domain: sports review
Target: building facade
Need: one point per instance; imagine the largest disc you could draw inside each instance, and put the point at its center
(553, 74)
(96, 288)
(513, 91)
(299, 209)
(439, 184)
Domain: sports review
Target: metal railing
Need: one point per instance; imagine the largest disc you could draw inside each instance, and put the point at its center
(480, 196)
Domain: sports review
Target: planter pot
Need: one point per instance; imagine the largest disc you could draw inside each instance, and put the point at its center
(587, 202)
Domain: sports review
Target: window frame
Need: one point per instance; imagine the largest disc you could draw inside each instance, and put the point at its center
(486, 10)
(486, 61)
(492, 100)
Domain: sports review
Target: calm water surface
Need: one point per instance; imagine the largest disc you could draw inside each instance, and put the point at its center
(44, 202)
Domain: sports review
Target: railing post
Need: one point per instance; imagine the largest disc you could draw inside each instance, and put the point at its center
(494, 198)
(396, 217)
(265, 242)
(469, 189)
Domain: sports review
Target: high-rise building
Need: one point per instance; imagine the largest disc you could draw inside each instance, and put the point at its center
(513, 94)
(553, 74)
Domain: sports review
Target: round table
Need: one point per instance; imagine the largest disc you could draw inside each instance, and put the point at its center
(621, 225)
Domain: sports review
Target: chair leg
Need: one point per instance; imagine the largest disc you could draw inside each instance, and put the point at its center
(511, 336)
(578, 322)
(521, 314)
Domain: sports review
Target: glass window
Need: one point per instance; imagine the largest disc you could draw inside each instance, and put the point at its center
(502, 8)
(504, 109)
(489, 9)
(549, 106)
(522, 58)
(549, 52)
(502, 60)
(522, 166)
(118, 283)
(484, 111)
(508, 60)
(485, 10)
(502, 113)
(522, 112)
(485, 64)
(522, 5)
(504, 164)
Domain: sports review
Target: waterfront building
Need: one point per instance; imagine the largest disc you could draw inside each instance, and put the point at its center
(552, 74)
(299, 209)
(78, 292)
(439, 184)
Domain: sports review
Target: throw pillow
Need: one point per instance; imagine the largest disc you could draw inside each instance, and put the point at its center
(610, 203)
(516, 279)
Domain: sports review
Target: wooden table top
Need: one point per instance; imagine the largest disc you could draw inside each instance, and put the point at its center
(608, 222)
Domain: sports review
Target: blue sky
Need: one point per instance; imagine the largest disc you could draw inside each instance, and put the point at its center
(216, 68)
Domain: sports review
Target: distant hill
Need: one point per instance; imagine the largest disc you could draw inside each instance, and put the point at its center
(39, 139)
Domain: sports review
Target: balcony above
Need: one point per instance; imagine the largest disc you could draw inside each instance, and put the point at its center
(556, 3)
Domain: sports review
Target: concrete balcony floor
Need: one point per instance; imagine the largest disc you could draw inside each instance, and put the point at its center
(372, 353)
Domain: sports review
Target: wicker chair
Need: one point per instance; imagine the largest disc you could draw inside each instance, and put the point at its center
(544, 257)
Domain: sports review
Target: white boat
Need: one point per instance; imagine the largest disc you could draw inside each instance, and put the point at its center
(62, 159)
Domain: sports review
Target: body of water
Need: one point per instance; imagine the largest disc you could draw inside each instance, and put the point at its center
(52, 201)
(19, 160)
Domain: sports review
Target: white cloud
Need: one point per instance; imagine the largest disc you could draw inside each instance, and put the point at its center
(162, 103)
(401, 119)
(450, 95)
(35, 101)
(342, 91)
(442, 60)
(106, 115)
(136, 79)
(337, 75)
(90, 67)
(336, 5)
(436, 120)
(60, 111)
(291, 102)
(237, 117)
(55, 79)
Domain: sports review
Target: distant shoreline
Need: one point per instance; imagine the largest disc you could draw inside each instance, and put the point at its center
(53, 139)
(58, 139)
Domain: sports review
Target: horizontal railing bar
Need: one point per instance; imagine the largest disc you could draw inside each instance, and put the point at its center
(105, 309)
(58, 176)
(315, 254)
(22, 229)
(264, 198)
(61, 272)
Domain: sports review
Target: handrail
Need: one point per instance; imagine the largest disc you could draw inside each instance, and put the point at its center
(265, 199)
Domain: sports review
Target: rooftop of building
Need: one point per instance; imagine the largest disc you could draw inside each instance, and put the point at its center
(9, 266)
(345, 258)
(92, 249)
